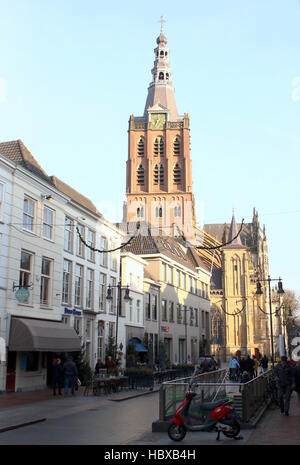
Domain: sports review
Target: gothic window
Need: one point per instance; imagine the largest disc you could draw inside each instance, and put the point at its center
(158, 212)
(140, 212)
(161, 53)
(167, 76)
(176, 146)
(158, 174)
(140, 175)
(177, 211)
(236, 276)
(159, 146)
(166, 54)
(177, 174)
(141, 147)
(161, 76)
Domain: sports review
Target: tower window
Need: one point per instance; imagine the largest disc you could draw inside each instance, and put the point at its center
(177, 211)
(141, 147)
(158, 212)
(140, 175)
(158, 174)
(159, 146)
(140, 212)
(167, 76)
(177, 174)
(176, 146)
(161, 76)
(161, 53)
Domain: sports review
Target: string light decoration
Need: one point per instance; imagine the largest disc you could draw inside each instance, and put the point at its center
(234, 313)
(94, 249)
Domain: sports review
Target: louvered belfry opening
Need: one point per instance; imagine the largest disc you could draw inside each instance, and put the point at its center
(176, 146)
(177, 174)
(140, 175)
(141, 147)
(158, 146)
(158, 174)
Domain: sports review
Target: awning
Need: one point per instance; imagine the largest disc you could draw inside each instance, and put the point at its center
(140, 347)
(42, 336)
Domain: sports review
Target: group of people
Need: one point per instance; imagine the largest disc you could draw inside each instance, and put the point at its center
(109, 365)
(287, 375)
(66, 373)
(244, 369)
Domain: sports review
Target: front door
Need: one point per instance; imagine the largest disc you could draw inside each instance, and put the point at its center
(11, 372)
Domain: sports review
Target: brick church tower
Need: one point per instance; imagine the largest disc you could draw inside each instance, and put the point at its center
(159, 173)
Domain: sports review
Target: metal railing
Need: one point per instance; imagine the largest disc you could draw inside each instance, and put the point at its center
(248, 398)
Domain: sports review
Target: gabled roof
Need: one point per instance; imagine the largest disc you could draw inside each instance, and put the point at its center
(75, 195)
(17, 152)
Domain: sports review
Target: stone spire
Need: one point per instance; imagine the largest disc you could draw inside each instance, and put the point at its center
(161, 89)
(232, 233)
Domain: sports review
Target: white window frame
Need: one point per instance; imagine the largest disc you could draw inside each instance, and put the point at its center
(24, 271)
(80, 287)
(29, 215)
(91, 241)
(80, 248)
(102, 292)
(69, 283)
(70, 233)
(49, 226)
(46, 278)
(89, 288)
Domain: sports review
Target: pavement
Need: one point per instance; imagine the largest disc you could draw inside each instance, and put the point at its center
(24, 408)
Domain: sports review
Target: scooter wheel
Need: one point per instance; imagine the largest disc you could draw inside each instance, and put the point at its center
(235, 430)
(176, 432)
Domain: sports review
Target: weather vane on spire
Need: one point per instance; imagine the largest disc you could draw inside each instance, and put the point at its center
(162, 21)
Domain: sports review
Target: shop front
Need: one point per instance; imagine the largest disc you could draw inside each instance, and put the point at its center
(32, 346)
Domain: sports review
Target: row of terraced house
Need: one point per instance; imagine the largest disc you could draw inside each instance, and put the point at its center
(54, 285)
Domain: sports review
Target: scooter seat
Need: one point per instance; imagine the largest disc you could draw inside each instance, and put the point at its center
(212, 405)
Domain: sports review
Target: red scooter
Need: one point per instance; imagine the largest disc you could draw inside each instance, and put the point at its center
(219, 416)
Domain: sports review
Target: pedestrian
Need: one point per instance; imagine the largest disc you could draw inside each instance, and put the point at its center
(110, 364)
(284, 376)
(297, 379)
(70, 373)
(250, 366)
(57, 375)
(234, 366)
(99, 366)
(264, 363)
(255, 366)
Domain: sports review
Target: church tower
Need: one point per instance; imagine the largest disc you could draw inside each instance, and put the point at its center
(159, 174)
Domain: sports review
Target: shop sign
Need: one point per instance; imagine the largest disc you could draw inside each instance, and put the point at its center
(72, 311)
(165, 329)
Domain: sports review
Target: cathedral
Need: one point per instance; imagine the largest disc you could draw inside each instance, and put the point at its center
(159, 193)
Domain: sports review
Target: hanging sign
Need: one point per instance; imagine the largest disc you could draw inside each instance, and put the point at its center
(22, 294)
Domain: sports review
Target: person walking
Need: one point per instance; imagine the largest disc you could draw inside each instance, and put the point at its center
(284, 376)
(234, 366)
(70, 373)
(264, 363)
(250, 366)
(297, 379)
(57, 375)
(255, 366)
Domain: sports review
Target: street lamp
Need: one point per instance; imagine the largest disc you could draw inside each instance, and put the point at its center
(119, 309)
(260, 292)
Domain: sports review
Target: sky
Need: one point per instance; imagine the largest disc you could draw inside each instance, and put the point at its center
(72, 72)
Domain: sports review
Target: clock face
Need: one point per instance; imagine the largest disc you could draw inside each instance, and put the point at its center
(158, 120)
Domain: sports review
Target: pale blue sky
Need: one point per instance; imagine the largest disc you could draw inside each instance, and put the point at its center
(72, 72)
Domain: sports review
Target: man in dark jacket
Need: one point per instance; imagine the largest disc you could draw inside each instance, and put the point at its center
(297, 379)
(285, 379)
(57, 375)
(250, 366)
(71, 373)
(264, 363)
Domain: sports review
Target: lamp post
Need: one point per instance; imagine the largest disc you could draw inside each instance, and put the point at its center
(260, 292)
(119, 308)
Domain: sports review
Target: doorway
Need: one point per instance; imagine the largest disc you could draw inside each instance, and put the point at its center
(11, 372)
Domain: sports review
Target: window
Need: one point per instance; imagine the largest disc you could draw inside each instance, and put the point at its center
(158, 174)
(164, 271)
(25, 269)
(78, 285)
(28, 213)
(158, 148)
(91, 242)
(154, 307)
(177, 211)
(167, 76)
(130, 312)
(148, 306)
(103, 246)
(140, 212)
(48, 223)
(196, 316)
(203, 323)
(65, 320)
(66, 291)
(179, 316)
(171, 311)
(190, 285)
(1, 198)
(89, 288)
(138, 311)
(141, 147)
(164, 310)
(77, 325)
(183, 283)
(68, 235)
(206, 291)
(114, 259)
(194, 285)
(30, 361)
(113, 302)
(45, 281)
(170, 275)
(176, 146)
(161, 76)
(111, 330)
(80, 245)
(101, 342)
(102, 292)
(176, 174)
(191, 316)
(184, 311)
(177, 278)
(158, 212)
(140, 175)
